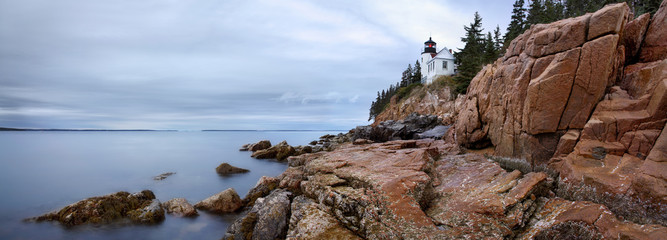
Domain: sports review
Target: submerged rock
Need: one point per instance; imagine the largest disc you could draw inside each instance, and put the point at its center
(139, 207)
(223, 202)
(163, 176)
(180, 207)
(225, 169)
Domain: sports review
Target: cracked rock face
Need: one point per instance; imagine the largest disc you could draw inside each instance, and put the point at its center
(587, 98)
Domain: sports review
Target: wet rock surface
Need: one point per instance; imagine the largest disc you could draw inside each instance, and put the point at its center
(141, 207)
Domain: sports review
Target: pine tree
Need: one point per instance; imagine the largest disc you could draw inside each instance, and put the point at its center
(553, 11)
(470, 58)
(490, 53)
(518, 23)
(498, 41)
(417, 73)
(535, 13)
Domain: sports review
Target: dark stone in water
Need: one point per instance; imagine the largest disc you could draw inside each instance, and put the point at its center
(141, 207)
(163, 176)
(225, 169)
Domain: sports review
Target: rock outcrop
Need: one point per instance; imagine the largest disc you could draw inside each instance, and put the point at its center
(420, 189)
(414, 126)
(141, 207)
(434, 99)
(584, 98)
(223, 202)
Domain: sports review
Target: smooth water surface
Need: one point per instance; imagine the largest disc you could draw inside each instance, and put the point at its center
(45, 171)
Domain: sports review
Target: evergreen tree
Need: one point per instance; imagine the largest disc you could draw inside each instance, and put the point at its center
(518, 23)
(470, 58)
(490, 53)
(417, 73)
(553, 11)
(498, 41)
(536, 13)
(407, 76)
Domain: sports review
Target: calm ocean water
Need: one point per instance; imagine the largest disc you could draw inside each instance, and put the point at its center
(45, 171)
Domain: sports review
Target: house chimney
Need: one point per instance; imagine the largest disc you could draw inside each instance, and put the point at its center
(450, 51)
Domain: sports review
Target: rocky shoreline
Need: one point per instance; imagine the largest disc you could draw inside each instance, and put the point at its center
(562, 138)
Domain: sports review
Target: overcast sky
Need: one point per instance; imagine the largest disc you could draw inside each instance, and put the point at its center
(215, 64)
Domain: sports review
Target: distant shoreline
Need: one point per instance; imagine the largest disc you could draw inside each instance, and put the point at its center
(152, 130)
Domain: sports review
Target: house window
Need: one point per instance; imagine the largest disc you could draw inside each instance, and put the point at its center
(444, 64)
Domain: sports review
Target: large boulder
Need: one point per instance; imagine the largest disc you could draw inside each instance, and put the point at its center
(223, 202)
(263, 187)
(141, 207)
(310, 222)
(280, 151)
(261, 145)
(226, 169)
(152, 213)
(180, 207)
(268, 218)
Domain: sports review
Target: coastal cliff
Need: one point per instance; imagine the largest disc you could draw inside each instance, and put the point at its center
(573, 117)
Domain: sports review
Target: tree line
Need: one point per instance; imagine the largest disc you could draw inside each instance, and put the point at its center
(481, 49)
(410, 77)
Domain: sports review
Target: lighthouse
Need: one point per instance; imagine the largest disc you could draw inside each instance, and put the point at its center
(434, 63)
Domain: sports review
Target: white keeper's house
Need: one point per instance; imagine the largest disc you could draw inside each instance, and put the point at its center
(435, 64)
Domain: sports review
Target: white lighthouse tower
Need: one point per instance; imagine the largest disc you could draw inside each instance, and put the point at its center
(434, 64)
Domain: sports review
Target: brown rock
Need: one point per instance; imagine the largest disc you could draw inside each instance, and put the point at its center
(223, 202)
(643, 78)
(593, 73)
(138, 207)
(261, 145)
(362, 141)
(566, 34)
(309, 221)
(567, 142)
(263, 187)
(226, 169)
(548, 94)
(654, 46)
(608, 20)
(633, 35)
(180, 207)
(280, 151)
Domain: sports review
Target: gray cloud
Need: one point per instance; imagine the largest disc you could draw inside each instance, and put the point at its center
(212, 64)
